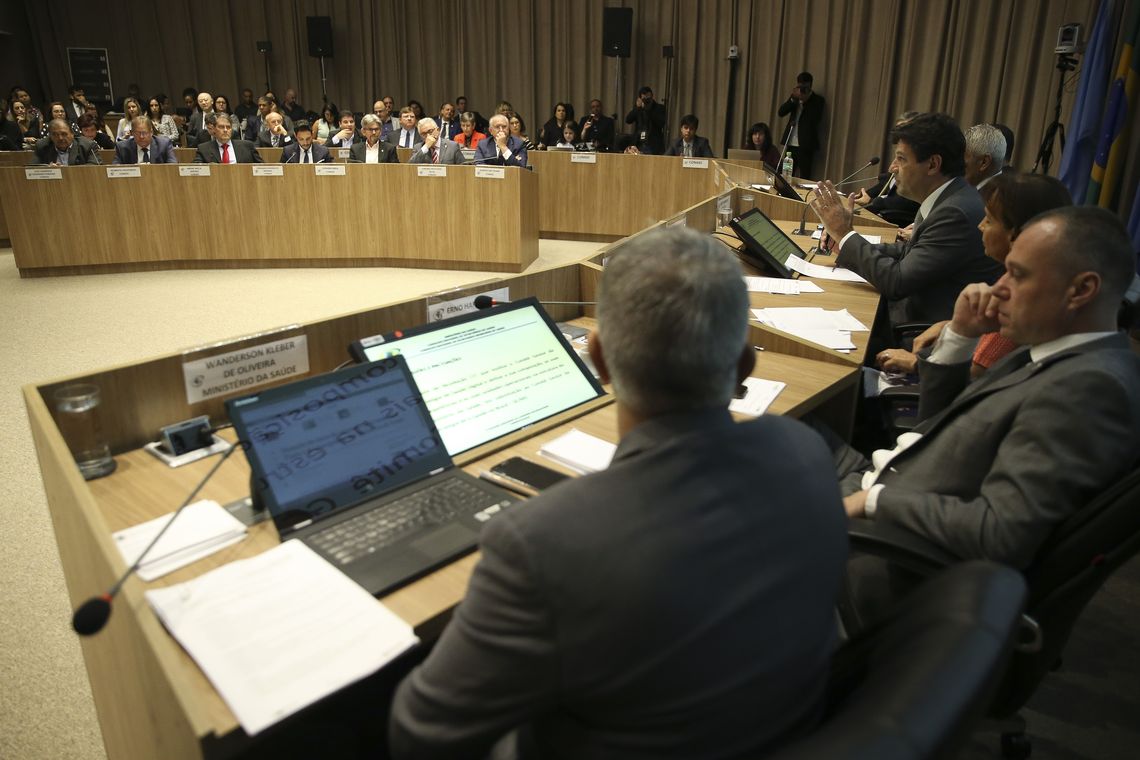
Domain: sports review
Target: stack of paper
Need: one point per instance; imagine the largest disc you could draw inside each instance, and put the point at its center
(796, 264)
(760, 395)
(831, 329)
(203, 528)
(278, 632)
(580, 451)
(780, 286)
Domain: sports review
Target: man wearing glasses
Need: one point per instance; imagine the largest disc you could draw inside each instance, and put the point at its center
(372, 150)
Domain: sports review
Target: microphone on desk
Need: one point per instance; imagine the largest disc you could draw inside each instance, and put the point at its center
(872, 161)
(486, 302)
(93, 614)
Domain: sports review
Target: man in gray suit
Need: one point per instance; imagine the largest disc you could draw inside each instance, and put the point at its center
(995, 465)
(678, 603)
(433, 150)
(920, 278)
(63, 148)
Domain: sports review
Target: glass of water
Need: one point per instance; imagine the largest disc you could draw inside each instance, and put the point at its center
(79, 414)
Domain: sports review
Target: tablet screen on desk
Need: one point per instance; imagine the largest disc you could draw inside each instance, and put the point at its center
(765, 244)
(489, 373)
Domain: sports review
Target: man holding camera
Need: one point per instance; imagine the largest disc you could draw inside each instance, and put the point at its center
(802, 133)
(597, 128)
(648, 120)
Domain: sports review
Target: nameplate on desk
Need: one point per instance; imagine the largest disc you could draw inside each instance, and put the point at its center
(50, 172)
(695, 163)
(343, 153)
(329, 170)
(121, 172)
(245, 368)
(197, 170)
(583, 158)
(431, 170)
(490, 172)
(268, 171)
(456, 306)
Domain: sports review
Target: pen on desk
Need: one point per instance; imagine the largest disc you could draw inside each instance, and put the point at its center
(490, 477)
(759, 348)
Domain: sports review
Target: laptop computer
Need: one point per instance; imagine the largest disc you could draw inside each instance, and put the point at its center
(350, 463)
(765, 245)
(488, 373)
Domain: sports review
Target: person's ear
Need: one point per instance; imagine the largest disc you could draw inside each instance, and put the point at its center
(594, 347)
(1083, 289)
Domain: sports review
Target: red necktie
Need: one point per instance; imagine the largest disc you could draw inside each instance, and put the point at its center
(435, 155)
(225, 153)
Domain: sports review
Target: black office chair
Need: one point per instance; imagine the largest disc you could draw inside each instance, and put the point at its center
(913, 686)
(1068, 570)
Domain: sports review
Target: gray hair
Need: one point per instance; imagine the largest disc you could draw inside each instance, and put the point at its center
(673, 320)
(986, 140)
(369, 118)
(220, 117)
(426, 122)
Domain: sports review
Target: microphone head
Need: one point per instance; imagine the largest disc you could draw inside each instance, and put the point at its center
(873, 161)
(92, 615)
(484, 302)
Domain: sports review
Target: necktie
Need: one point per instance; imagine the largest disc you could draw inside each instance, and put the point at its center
(407, 139)
(688, 150)
(305, 157)
(146, 155)
(446, 129)
(225, 153)
(435, 155)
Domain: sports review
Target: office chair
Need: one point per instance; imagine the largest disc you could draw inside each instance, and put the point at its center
(1068, 570)
(914, 685)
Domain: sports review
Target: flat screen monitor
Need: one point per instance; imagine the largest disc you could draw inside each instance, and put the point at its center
(765, 244)
(488, 373)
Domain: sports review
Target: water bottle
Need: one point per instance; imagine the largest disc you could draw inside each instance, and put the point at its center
(786, 165)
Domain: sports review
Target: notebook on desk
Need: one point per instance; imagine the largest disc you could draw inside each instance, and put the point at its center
(351, 464)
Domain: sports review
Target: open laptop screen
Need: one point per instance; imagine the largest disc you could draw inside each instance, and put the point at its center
(765, 243)
(328, 442)
(489, 373)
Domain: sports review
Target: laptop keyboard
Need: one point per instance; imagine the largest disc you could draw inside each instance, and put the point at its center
(437, 504)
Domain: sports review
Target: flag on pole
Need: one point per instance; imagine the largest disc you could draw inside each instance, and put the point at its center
(1084, 122)
(1110, 152)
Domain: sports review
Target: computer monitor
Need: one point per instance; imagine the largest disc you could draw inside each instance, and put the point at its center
(489, 373)
(765, 244)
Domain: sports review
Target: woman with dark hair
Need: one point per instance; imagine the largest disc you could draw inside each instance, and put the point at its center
(19, 129)
(34, 117)
(327, 125)
(518, 129)
(1011, 199)
(552, 130)
(57, 110)
(162, 122)
(222, 105)
(760, 139)
(569, 139)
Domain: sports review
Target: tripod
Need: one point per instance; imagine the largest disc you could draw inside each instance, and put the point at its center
(1065, 64)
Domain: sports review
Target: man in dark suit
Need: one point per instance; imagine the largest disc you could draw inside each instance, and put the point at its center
(223, 150)
(690, 144)
(144, 146)
(996, 464)
(406, 136)
(597, 128)
(985, 154)
(196, 126)
(806, 105)
(372, 150)
(500, 148)
(303, 150)
(921, 278)
(633, 612)
(447, 121)
(63, 148)
(433, 148)
(273, 132)
(347, 136)
(648, 119)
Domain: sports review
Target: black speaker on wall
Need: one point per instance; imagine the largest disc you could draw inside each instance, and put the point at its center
(617, 30)
(320, 36)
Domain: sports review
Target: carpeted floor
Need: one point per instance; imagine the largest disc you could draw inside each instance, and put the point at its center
(61, 326)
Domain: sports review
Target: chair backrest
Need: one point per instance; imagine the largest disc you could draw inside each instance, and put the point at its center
(1080, 555)
(913, 685)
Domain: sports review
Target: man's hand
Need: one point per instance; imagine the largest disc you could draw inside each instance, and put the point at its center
(906, 232)
(828, 205)
(928, 336)
(278, 130)
(975, 311)
(861, 197)
(856, 504)
(431, 139)
(344, 134)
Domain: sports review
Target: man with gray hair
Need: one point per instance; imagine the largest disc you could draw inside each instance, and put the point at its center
(985, 154)
(433, 149)
(372, 150)
(681, 599)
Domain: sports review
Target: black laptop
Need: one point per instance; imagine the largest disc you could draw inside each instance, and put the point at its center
(350, 463)
(765, 245)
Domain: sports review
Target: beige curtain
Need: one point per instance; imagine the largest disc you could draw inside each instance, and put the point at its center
(979, 60)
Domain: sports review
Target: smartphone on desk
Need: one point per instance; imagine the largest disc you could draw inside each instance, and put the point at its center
(518, 474)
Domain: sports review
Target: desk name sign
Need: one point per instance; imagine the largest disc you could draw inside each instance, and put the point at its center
(273, 170)
(490, 172)
(583, 158)
(328, 170)
(195, 170)
(343, 153)
(44, 172)
(431, 170)
(454, 307)
(123, 172)
(245, 368)
(695, 163)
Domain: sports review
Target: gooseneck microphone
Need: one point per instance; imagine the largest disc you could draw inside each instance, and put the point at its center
(486, 302)
(872, 161)
(93, 614)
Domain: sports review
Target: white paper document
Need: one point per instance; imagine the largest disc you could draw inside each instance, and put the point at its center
(780, 286)
(876, 381)
(277, 632)
(203, 528)
(580, 451)
(761, 393)
(831, 329)
(807, 269)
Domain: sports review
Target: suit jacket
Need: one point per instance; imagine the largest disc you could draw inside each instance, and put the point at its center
(1003, 461)
(602, 132)
(396, 134)
(487, 152)
(82, 151)
(810, 121)
(632, 613)
(453, 126)
(357, 153)
(244, 150)
(922, 278)
(890, 205)
(701, 148)
(265, 140)
(195, 126)
(651, 121)
(291, 154)
(334, 143)
(449, 153)
(161, 151)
